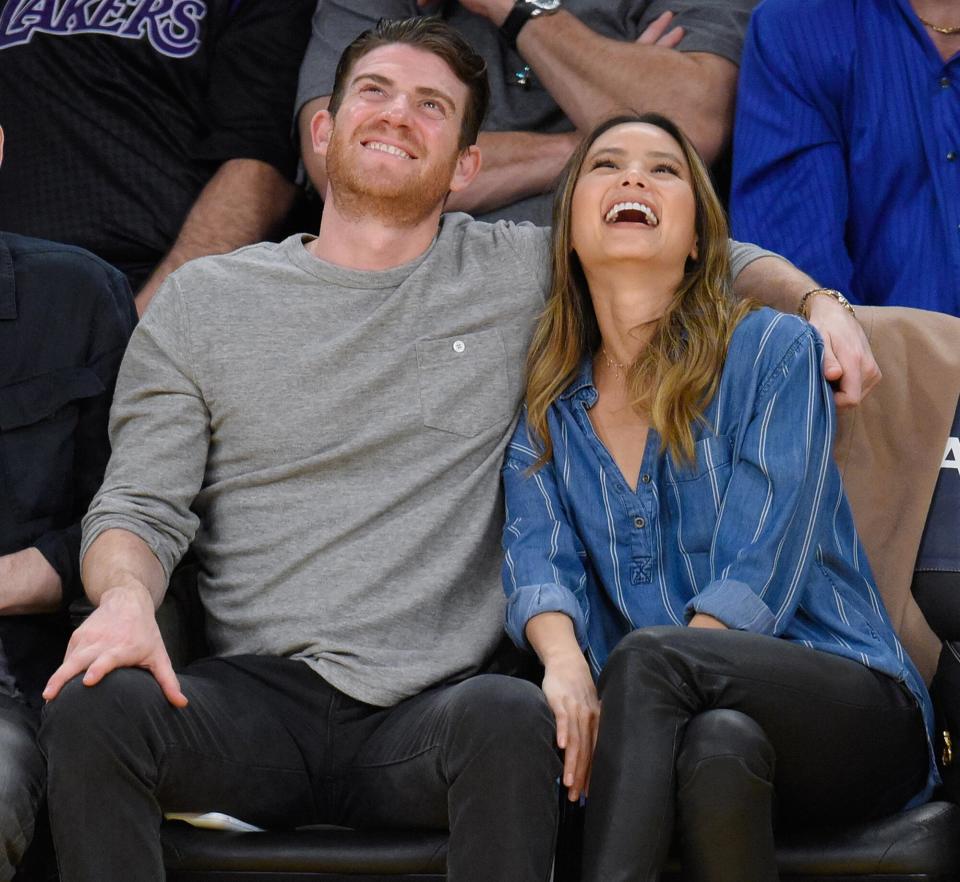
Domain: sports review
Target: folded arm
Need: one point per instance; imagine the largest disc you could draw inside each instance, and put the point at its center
(592, 77)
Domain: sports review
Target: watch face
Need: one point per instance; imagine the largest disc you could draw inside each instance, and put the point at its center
(549, 5)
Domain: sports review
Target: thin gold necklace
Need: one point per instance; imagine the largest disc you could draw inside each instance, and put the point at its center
(939, 29)
(619, 368)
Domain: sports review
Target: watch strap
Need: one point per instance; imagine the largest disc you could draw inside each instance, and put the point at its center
(521, 13)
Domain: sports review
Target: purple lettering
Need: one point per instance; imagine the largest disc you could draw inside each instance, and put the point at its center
(36, 14)
(180, 34)
(173, 27)
(9, 21)
(72, 16)
(108, 18)
(144, 19)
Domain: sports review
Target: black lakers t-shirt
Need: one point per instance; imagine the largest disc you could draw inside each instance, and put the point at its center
(117, 112)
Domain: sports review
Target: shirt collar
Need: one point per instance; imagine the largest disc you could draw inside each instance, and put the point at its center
(8, 285)
(582, 387)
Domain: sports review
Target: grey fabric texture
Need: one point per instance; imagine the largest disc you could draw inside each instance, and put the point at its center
(714, 26)
(332, 441)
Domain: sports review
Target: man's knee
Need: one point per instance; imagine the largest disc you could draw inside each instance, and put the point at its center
(505, 707)
(120, 703)
(505, 716)
(727, 737)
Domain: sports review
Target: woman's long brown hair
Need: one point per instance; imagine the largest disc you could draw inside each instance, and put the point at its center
(677, 372)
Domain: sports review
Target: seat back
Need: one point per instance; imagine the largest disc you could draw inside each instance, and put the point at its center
(890, 450)
(936, 581)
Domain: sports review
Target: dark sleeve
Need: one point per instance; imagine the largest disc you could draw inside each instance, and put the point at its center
(112, 323)
(252, 82)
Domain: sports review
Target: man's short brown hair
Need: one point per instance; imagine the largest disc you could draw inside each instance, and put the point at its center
(432, 35)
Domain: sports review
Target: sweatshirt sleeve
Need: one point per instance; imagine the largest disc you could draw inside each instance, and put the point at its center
(159, 435)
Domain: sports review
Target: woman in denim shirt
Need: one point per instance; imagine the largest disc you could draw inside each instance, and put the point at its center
(677, 529)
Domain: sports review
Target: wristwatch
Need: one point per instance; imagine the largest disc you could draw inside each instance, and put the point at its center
(522, 12)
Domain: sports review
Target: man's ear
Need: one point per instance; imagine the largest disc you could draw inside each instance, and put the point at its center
(321, 128)
(466, 169)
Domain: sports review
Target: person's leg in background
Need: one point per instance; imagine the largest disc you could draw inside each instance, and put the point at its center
(21, 782)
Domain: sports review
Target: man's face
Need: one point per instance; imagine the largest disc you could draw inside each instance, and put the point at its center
(393, 147)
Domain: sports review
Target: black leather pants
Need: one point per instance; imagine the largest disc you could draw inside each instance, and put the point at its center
(714, 731)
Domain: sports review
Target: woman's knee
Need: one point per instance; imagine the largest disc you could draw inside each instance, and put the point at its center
(647, 655)
(726, 737)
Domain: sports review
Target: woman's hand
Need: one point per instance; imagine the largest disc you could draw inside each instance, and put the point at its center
(702, 620)
(572, 696)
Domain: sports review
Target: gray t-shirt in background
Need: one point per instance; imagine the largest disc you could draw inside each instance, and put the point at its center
(715, 26)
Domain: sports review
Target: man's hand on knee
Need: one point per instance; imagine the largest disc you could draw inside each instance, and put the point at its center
(121, 632)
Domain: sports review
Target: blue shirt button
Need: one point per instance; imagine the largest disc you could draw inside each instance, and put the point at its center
(944, 82)
(951, 156)
(639, 523)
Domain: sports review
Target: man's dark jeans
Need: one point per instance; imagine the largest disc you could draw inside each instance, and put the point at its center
(268, 741)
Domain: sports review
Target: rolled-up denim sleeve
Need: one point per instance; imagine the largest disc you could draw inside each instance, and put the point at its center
(542, 569)
(779, 495)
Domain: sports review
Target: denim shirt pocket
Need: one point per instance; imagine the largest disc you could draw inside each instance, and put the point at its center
(38, 419)
(695, 492)
(463, 382)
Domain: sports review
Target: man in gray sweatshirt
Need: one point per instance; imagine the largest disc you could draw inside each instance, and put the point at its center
(323, 419)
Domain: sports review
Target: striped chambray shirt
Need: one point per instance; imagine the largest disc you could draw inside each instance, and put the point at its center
(756, 531)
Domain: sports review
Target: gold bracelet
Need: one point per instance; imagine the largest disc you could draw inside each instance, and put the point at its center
(804, 309)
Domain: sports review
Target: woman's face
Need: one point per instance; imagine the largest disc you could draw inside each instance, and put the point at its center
(633, 200)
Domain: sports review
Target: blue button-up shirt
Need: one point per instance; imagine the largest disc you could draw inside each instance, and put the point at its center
(756, 531)
(847, 149)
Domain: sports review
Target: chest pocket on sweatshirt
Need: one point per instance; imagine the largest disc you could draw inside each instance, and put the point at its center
(463, 382)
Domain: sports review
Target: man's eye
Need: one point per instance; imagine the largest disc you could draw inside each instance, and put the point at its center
(371, 90)
(434, 108)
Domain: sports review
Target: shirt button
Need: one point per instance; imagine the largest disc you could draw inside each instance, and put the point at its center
(645, 479)
(945, 82)
(951, 156)
(459, 346)
(639, 523)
